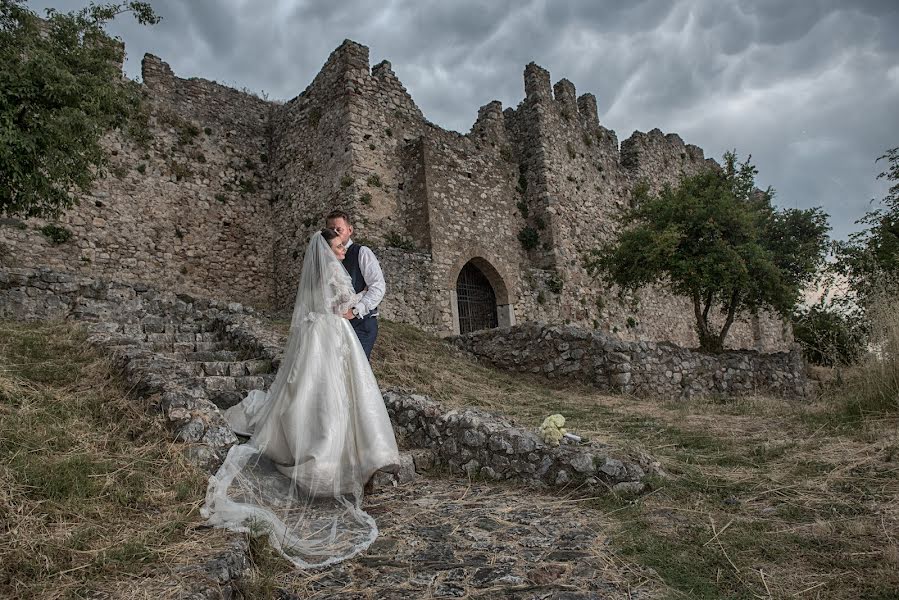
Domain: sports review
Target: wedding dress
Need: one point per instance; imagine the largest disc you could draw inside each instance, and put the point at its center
(318, 434)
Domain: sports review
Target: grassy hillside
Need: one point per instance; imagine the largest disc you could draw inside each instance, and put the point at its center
(93, 497)
(767, 498)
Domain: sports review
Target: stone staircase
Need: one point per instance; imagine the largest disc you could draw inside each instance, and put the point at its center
(200, 364)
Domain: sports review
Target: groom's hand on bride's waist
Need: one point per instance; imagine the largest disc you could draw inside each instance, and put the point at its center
(349, 314)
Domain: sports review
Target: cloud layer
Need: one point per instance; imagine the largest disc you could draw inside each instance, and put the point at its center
(810, 89)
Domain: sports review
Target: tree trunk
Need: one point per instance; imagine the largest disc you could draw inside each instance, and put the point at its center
(707, 340)
(731, 313)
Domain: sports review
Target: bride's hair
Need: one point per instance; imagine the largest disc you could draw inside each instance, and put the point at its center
(328, 234)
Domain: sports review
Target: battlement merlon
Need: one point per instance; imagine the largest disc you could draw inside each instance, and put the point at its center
(536, 83)
(565, 94)
(586, 108)
(490, 118)
(383, 69)
(352, 56)
(155, 71)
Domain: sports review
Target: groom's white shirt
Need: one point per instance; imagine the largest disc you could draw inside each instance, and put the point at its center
(374, 279)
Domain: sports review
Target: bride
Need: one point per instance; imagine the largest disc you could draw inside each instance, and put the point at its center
(317, 435)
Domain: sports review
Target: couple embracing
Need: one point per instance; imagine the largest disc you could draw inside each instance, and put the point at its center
(321, 431)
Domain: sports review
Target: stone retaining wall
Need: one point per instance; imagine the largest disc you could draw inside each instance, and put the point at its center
(640, 368)
(482, 444)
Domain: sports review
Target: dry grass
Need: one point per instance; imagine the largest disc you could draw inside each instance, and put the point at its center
(871, 389)
(94, 502)
(768, 497)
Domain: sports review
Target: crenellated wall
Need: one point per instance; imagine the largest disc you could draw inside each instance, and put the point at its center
(222, 199)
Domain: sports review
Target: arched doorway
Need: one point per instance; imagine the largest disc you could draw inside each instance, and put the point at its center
(475, 299)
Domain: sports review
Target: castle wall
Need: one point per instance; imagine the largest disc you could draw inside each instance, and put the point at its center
(188, 210)
(428, 200)
(577, 183)
(312, 166)
(222, 199)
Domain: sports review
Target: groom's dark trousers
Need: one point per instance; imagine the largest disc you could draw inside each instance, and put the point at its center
(367, 332)
(367, 327)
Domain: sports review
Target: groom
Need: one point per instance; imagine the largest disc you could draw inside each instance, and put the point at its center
(363, 267)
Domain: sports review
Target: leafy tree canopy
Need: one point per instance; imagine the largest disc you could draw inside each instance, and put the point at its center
(61, 89)
(718, 240)
(869, 260)
(829, 334)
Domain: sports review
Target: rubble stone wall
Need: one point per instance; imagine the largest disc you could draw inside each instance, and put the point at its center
(185, 210)
(642, 368)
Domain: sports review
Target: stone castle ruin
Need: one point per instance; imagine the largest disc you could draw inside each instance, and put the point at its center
(473, 231)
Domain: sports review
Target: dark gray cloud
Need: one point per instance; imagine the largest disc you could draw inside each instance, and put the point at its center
(809, 88)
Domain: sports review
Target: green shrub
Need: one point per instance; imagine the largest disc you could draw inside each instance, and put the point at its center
(315, 115)
(55, 233)
(828, 335)
(871, 389)
(247, 186)
(555, 284)
(523, 208)
(179, 170)
(529, 238)
(395, 240)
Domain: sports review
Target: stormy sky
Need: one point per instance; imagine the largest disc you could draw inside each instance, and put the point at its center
(810, 88)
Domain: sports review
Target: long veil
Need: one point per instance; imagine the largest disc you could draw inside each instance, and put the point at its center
(318, 434)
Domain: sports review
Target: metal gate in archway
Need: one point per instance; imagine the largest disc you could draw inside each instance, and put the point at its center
(476, 300)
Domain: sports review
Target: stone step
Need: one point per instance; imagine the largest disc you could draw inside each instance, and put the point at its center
(205, 356)
(404, 473)
(226, 391)
(230, 368)
(246, 382)
(161, 366)
(235, 368)
(180, 337)
(185, 347)
(160, 324)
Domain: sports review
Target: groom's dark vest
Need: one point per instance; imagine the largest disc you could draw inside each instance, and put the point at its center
(351, 264)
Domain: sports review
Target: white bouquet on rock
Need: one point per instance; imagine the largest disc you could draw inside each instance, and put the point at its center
(552, 431)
